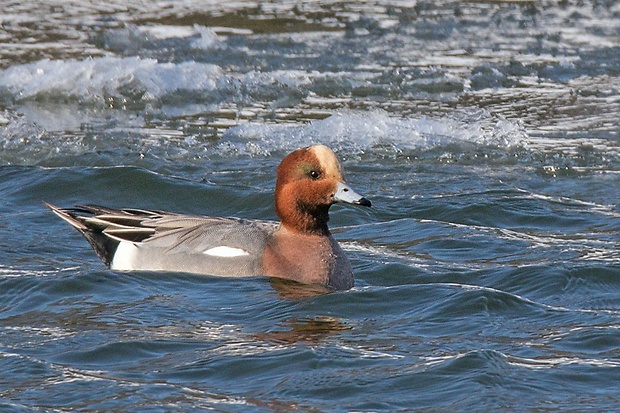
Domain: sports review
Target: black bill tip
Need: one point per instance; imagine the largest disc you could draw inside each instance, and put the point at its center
(364, 202)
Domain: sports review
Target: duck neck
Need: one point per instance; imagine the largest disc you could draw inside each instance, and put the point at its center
(310, 220)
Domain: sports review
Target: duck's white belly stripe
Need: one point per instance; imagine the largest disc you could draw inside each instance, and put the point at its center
(125, 257)
(226, 252)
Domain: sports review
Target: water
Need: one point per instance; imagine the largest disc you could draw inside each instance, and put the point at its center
(485, 134)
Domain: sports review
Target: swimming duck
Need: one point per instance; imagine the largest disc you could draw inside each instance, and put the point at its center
(300, 247)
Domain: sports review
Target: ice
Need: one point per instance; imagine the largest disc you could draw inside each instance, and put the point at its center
(208, 39)
(168, 31)
(133, 39)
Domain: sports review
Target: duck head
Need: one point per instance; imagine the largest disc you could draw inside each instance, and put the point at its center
(309, 181)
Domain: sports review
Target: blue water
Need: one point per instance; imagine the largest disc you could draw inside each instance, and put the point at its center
(484, 133)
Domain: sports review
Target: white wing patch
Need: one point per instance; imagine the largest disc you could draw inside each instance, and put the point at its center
(226, 252)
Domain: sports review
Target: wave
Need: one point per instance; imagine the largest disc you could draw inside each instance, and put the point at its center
(104, 80)
(352, 133)
(359, 132)
(489, 357)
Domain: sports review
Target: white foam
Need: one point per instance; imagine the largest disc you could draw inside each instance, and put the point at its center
(96, 78)
(363, 131)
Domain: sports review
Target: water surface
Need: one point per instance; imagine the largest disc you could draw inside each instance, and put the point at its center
(485, 134)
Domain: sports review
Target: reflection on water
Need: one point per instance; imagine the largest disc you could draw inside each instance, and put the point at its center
(311, 331)
(296, 291)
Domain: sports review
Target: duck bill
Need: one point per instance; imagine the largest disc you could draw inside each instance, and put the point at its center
(344, 193)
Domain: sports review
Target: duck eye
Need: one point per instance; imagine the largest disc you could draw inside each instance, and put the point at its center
(314, 174)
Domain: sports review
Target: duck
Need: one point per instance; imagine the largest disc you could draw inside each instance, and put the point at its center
(299, 248)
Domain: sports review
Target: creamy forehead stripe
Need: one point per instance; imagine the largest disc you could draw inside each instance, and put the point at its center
(227, 252)
(328, 159)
